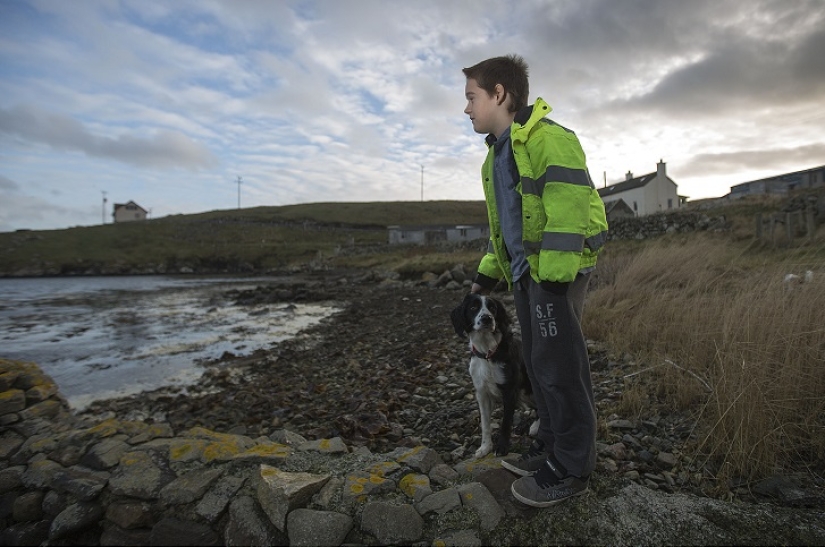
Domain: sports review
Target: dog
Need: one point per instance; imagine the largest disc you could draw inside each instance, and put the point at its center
(496, 366)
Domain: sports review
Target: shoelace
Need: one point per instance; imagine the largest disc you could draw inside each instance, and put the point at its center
(545, 477)
(535, 450)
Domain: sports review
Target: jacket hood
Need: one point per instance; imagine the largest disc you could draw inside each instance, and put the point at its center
(529, 116)
(525, 119)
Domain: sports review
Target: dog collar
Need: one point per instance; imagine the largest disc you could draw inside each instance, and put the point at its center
(487, 355)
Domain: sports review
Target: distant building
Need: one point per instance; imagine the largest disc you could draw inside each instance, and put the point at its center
(128, 212)
(780, 184)
(429, 234)
(644, 195)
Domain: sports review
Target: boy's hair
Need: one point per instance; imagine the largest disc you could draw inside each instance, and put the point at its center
(510, 71)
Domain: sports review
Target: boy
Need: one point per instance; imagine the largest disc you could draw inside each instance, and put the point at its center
(547, 226)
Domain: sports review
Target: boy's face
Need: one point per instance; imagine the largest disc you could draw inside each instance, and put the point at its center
(486, 113)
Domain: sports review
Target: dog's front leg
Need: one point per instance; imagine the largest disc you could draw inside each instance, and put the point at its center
(503, 442)
(485, 408)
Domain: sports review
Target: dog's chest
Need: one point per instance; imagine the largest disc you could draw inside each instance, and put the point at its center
(487, 375)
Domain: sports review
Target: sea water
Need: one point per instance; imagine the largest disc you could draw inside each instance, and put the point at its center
(108, 337)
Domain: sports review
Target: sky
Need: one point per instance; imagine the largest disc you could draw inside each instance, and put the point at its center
(189, 106)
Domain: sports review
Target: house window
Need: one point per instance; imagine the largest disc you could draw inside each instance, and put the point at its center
(670, 203)
(635, 207)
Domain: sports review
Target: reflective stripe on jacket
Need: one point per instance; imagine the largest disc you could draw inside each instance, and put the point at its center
(564, 223)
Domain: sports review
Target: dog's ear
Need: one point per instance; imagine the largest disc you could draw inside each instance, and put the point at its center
(502, 317)
(458, 318)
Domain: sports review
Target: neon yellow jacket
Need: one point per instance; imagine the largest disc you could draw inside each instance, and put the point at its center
(564, 223)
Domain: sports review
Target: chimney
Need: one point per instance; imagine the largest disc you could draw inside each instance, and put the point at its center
(628, 176)
(660, 170)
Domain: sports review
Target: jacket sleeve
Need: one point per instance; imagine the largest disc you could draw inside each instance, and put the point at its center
(564, 187)
(489, 270)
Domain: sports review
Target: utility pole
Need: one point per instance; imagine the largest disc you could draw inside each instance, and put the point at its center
(240, 180)
(103, 211)
(422, 182)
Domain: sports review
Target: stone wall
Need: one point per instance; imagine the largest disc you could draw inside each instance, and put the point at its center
(665, 223)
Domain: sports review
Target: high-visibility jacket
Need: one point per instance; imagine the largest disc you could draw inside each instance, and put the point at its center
(563, 220)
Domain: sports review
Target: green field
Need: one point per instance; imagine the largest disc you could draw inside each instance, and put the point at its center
(260, 240)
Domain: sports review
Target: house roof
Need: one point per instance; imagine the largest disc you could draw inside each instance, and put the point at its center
(778, 178)
(433, 227)
(626, 185)
(119, 205)
(613, 204)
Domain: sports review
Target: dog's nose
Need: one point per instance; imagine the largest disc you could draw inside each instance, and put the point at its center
(486, 320)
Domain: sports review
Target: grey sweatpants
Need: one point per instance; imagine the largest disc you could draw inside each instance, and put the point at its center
(555, 352)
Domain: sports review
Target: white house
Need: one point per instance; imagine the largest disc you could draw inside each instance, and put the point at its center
(645, 195)
(127, 212)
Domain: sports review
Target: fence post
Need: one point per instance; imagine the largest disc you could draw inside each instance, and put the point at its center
(758, 225)
(810, 225)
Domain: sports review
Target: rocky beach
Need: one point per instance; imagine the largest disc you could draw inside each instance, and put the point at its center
(360, 430)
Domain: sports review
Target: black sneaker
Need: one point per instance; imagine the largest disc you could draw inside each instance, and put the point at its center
(549, 486)
(528, 463)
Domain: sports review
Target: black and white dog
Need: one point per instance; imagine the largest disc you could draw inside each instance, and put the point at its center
(496, 366)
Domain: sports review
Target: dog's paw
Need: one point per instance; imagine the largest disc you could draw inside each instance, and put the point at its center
(483, 450)
(502, 448)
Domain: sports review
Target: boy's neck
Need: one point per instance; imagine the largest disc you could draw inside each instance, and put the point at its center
(505, 124)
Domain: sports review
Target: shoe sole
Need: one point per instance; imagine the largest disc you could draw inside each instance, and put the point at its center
(518, 470)
(542, 504)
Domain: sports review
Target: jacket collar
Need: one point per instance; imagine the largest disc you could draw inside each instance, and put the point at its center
(525, 119)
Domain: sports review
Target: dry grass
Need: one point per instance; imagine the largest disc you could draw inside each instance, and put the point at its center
(723, 337)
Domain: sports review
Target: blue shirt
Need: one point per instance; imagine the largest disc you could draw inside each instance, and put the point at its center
(508, 203)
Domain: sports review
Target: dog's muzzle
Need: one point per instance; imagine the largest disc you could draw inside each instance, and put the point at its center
(486, 321)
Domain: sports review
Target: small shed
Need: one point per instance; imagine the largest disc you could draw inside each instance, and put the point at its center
(617, 209)
(431, 234)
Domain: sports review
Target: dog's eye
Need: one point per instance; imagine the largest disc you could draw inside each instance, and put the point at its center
(474, 307)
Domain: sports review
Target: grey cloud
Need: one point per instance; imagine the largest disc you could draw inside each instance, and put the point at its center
(709, 55)
(713, 164)
(165, 149)
(7, 184)
(19, 210)
(743, 75)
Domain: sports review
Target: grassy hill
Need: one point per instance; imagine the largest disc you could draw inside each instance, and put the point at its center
(259, 239)
(277, 239)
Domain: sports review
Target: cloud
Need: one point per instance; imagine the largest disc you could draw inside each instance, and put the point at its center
(164, 149)
(743, 160)
(8, 185)
(167, 103)
(20, 210)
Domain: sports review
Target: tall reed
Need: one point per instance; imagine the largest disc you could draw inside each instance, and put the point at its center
(725, 337)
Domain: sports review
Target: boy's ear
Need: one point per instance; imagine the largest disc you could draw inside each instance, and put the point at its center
(501, 94)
